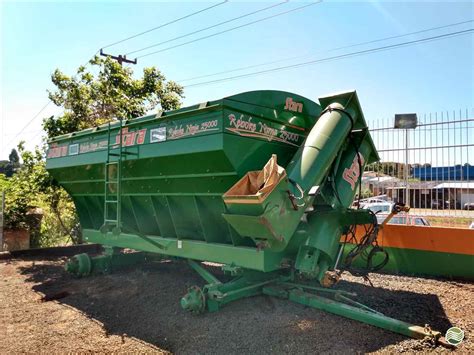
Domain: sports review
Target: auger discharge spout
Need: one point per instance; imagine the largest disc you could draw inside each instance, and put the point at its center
(306, 209)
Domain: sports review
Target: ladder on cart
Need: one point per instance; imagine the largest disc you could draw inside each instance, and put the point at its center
(113, 184)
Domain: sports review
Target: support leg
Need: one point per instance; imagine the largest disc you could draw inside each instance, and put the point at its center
(83, 264)
(346, 307)
(215, 294)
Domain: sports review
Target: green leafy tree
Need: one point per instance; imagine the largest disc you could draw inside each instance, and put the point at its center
(14, 158)
(8, 167)
(3, 166)
(90, 100)
(30, 188)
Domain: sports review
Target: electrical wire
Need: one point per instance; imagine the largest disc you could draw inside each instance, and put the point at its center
(361, 249)
(231, 29)
(165, 24)
(342, 56)
(35, 116)
(28, 123)
(330, 50)
(208, 28)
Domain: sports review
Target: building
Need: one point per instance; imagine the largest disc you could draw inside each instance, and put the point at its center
(434, 194)
(443, 173)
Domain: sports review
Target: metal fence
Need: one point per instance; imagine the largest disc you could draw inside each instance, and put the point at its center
(430, 167)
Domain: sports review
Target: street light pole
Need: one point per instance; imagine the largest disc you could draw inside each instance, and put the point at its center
(407, 187)
(406, 121)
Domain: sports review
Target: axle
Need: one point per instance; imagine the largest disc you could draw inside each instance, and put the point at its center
(283, 285)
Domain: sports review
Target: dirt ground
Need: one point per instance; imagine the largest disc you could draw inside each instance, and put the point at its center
(137, 310)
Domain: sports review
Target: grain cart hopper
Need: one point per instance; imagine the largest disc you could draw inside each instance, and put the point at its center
(260, 182)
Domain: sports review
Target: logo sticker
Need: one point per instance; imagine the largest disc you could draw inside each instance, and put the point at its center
(158, 135)
(74, 149)
(130, 138)
(454, 335)
(352, 174)
(293, 106)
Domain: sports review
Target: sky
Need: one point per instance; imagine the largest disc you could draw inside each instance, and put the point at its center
(38, 37)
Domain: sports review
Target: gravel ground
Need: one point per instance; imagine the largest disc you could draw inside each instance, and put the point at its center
(137, 310)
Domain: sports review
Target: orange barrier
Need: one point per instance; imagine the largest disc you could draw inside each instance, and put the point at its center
(436, 239)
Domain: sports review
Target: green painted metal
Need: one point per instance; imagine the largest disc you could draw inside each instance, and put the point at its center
(282, 284)
(112, 185)
(84, 265)
(173, 168)
(245, 257)
(165, 175)
(423, 262)
(334, 153)
(194, 301)
(361, 314)
(79, 265)
(215, 294)
(206, 275)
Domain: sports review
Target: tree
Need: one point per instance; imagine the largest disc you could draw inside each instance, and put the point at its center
(90, 100)
(31, 187)
(3, 166)
(8, 167)
(14, 158)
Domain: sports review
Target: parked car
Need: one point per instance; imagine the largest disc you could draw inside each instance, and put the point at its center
(366, 201)
(469, 206)
(404, 219)
(379, 207)
(438, 205)
(444, 205)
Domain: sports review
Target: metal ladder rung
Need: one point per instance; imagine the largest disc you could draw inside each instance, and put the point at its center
(123, 153)
(113, 179)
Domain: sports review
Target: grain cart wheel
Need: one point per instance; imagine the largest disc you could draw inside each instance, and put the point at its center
(194, 301)
(79, 265)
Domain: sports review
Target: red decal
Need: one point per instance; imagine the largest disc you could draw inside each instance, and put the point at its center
(352, 174)
(129, 138)
(141, 136)
(57, 152)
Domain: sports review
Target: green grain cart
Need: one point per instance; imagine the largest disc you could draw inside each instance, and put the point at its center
(260, 182)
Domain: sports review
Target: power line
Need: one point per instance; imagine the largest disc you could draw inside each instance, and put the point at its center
(165, 24)
(29, 122)
(232, 29)
(209, 27)
(367, 51)
(27, 132)
(35, 116)
(327, 51)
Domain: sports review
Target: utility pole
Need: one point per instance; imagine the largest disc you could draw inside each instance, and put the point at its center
(120, 58)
